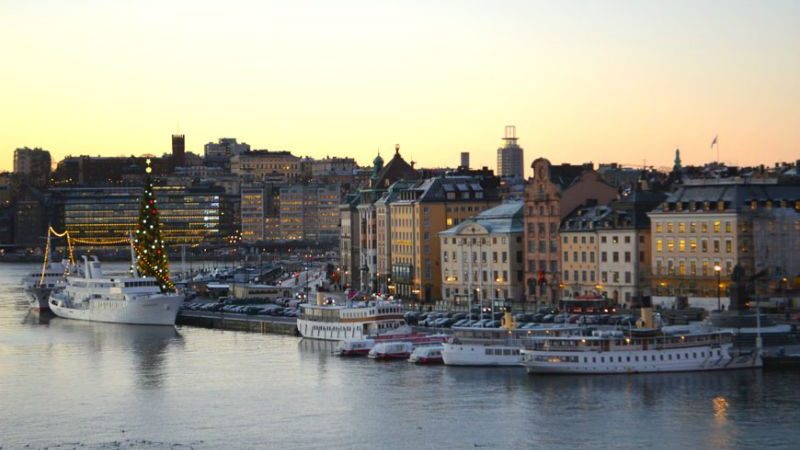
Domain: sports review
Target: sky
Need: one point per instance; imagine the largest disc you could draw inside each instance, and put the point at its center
(601, 81)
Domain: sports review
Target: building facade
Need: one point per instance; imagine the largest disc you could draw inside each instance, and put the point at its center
(482, 257)
(260, 212)
(279, 166)
(417, 216)
(551, 194)
(34, 164)
(188, 215)
(309, 212)
(708, 224)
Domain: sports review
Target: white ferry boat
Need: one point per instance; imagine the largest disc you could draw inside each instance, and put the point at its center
(89, 295)
(611, 352)
(39, 285)
(336, 323)
(427, 354)
(495, 346)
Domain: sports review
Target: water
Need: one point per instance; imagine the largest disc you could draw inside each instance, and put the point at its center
(67, 384)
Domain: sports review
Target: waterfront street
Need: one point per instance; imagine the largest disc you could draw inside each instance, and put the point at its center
(66, 384)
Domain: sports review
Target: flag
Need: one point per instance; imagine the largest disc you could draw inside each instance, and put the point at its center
(714, 141)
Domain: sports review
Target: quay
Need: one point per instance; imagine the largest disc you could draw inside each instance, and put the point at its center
(239, 322)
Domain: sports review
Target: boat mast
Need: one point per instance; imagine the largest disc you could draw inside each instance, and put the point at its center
(134, 263)
(46, 256)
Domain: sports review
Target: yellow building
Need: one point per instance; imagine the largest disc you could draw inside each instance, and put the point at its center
(419, 214)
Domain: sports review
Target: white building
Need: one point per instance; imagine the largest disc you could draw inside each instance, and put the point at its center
(482, 257)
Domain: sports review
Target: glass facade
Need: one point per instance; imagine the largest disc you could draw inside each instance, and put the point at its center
(188, 215)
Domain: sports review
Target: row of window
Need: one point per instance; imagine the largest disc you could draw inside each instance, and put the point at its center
(706, 267)
(715, 225)
(693, 245)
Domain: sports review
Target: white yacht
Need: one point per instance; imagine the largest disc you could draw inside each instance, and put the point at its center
(333, 322)
(89, 295)
(39, 285)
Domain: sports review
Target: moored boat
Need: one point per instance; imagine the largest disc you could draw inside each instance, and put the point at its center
(391, 350)
(427, 354)
(639, 350)
(334, 322)
(89, 295)
(39, 285)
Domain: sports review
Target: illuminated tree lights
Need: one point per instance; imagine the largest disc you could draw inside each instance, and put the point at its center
(153, 263)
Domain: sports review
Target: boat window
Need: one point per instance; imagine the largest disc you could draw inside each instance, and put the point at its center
(687, 355)
(670, 357)
(678, 356)
(629, 358)
(602, 359)
(585, 359)
(636, 358)
(489, 351)
(719, 352)
(594, 360)
(662, 357)
(694, 355)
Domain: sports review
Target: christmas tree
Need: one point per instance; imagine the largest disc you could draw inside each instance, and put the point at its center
(151, 254)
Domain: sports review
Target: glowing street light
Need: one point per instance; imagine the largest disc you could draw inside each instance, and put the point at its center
(718, 270)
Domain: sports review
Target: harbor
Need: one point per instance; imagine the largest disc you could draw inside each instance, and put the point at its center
(176, 388)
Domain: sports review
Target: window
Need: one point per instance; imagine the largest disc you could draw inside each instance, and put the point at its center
(628, 257)
(670, 245)
(566, 275)
(627, 239)
(693, 245)
(704, 227)
(728, 227)
(603, 257)
(728, 246)
(566, 256)
(716, 245)
(659, 246)
(670, 229)
(659, 228)
(682, 227)
(682, 245)
(692, 227)
(716, 226)
(704, 246)
(615, 256)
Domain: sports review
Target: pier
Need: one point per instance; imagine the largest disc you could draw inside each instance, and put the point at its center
(239, 322)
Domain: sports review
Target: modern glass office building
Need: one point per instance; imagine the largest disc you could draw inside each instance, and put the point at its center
(189, 215)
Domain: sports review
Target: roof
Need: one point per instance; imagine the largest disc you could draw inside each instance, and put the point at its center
(736, 196)
(502, 219)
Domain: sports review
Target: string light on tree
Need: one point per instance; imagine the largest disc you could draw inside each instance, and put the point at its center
(151, 263)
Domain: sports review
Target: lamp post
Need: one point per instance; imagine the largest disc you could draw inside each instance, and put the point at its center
(718, 270)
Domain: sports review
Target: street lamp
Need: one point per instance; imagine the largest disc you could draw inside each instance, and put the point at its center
(718, 270)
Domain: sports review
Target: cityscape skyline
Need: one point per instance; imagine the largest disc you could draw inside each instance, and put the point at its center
(579, 81)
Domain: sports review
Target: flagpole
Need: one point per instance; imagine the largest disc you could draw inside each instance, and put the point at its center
(716, 139)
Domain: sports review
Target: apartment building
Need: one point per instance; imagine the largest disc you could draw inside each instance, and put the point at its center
(482, 257)
(419, 214)
(551, 194)
(708, 224)
(260, 164)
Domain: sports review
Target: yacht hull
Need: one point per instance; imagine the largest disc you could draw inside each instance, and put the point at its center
(154, 310)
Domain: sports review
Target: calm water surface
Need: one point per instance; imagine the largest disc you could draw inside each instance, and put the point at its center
(67, 384)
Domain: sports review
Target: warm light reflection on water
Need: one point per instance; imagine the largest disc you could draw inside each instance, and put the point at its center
(68, 383)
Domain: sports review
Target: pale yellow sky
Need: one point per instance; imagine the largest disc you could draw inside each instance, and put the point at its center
(623, 81)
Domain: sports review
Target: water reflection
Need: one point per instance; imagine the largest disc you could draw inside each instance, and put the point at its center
(146, 344)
